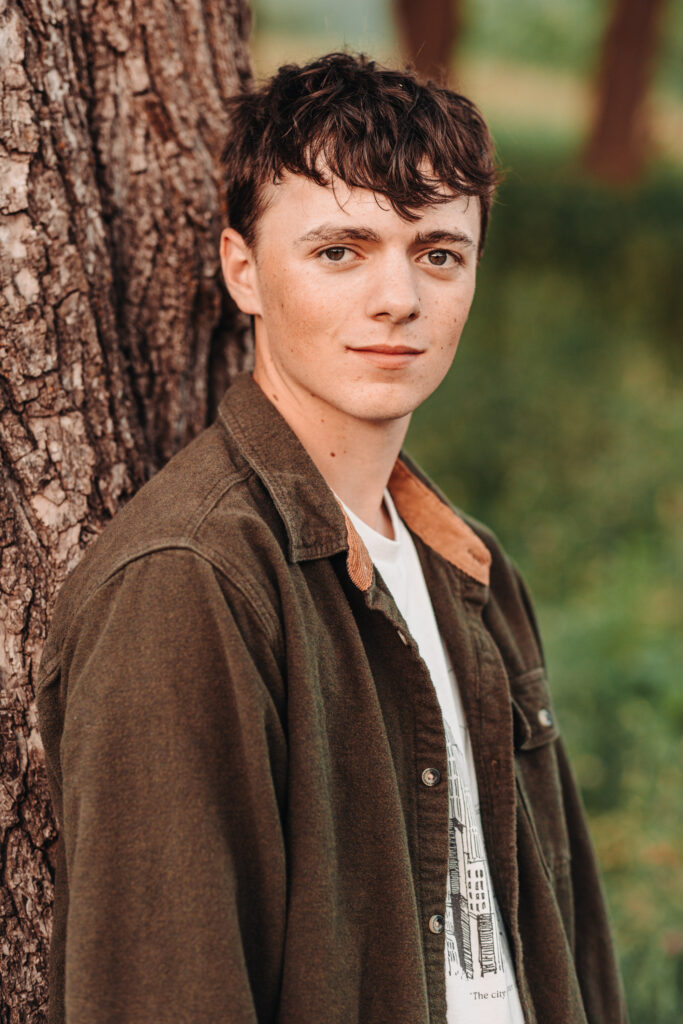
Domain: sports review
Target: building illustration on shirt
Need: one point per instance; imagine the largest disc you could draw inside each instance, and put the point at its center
(473, 944)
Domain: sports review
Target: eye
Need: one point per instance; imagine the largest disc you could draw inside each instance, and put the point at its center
(443, 258)
(335, 254)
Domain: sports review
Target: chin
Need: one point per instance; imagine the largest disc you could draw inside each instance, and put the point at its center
(394, 403)
(375, 410)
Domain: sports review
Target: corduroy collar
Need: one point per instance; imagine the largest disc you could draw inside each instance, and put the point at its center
(316, 524)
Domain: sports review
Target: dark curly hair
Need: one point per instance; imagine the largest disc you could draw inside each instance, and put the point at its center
(368, 125)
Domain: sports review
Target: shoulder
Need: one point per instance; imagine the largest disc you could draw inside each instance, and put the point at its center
(203, 523)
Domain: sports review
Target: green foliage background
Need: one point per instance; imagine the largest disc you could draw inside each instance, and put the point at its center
(560, 425)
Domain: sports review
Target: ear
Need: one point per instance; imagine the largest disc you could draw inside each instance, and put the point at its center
(239, 271)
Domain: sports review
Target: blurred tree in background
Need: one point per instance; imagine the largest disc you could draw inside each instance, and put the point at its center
(560, 424)
(429, 32)
(618, 144)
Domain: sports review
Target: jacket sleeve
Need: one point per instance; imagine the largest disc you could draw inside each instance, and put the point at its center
(173, 767)
(594, 954)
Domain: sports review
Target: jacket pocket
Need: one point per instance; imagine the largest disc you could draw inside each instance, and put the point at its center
(538, 779)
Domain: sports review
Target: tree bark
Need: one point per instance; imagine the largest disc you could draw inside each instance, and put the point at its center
(113, 322)
(617, 147)
(429, 31)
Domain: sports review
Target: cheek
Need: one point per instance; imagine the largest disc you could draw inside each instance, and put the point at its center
(296, 298)
(463, 305)
(444, 324)
(449, 315)
(278, 296)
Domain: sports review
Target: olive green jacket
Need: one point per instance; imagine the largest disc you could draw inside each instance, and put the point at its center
(236, 723)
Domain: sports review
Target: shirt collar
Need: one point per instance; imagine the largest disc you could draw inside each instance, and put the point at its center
(317, 526)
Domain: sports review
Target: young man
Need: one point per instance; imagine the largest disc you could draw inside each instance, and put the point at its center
(299, 735)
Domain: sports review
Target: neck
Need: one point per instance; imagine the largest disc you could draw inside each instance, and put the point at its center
(354, 456)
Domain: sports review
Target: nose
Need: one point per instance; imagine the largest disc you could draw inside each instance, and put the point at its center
(393, 294)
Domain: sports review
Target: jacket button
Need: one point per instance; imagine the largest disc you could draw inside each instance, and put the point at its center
(431, 776)
(544, 717)
(436, 923)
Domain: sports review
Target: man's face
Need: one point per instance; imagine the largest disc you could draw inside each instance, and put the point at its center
(357, 310)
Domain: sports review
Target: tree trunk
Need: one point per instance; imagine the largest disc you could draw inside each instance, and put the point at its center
(617, 147)
(429, 30)
(111, 128)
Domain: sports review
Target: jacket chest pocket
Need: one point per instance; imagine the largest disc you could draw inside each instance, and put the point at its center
(537, 775)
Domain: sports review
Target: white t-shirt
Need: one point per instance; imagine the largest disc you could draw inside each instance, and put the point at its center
(480, 979)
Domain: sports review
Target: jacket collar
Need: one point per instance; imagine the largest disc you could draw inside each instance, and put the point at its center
(316, 524)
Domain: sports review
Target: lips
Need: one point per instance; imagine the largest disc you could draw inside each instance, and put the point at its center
(390, 350)
(388, 357)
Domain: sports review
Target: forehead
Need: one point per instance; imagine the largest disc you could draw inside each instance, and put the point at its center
(296, 204)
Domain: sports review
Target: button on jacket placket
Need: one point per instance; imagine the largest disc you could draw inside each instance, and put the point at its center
(431, 776)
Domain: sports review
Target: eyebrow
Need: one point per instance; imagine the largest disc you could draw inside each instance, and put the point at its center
(452, 237)
(335, 233)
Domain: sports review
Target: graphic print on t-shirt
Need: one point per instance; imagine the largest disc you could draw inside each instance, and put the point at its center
(473, 947)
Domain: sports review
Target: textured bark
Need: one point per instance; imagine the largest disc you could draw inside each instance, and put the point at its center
(429, 30)
(618, 144)
(112, 322)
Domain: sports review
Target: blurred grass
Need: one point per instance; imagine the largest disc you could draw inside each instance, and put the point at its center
(560, 423)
